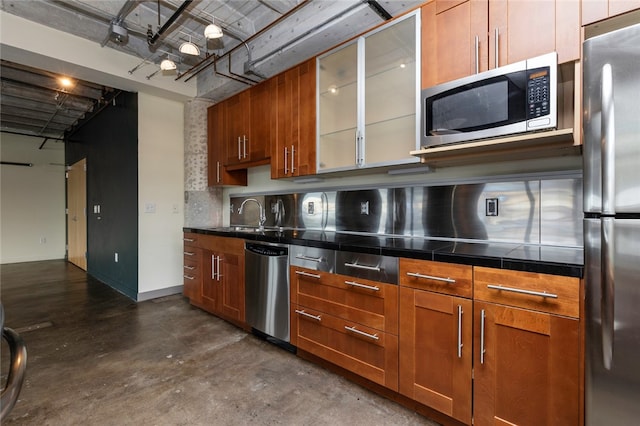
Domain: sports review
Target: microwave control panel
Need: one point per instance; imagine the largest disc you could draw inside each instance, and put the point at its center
(538, 90)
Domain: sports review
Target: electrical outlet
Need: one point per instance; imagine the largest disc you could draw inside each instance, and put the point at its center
(491, 206)
(43, 240)
(150, 208)
(364, 208)
(310, 208)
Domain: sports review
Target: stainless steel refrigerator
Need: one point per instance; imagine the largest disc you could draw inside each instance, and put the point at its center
(612, 226)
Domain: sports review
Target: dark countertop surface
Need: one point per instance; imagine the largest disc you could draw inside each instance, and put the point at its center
(566, 261)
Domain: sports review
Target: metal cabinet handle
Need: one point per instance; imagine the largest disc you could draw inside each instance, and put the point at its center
(483, 316)
(431, 277)
(368, 268)
(213, 267)
(368, 287)
(309, 258)
(460, 312)
(219, 258)
(307, 274)
(244, 146)
(607, 126)
(520, 291)
(189, 277)
(607, 283)
(218, 171)
(293, 156)
(189, 253)
(477, 53)
(357, 146)
(286, 161)
(304, 314)
(190, 268)
(362, 333)
(189, 240)
(239, 149)
(497, 47)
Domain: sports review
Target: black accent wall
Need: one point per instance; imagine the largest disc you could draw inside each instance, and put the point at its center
(109, 141)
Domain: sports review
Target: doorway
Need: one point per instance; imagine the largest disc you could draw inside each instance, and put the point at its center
(77, 214)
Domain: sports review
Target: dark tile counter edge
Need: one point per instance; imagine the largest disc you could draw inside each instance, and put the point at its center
(440, 255)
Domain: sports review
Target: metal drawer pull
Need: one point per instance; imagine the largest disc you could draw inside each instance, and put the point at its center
(189, 253)
(368, 268)
(307, 274)
(189, 240)
(460, 331)
(529, 292)
(482, 350)
(362, 333)
(431, 277)
(368, 287)
(191, 268)
(189, 277)
(309, 258)
(303, 313)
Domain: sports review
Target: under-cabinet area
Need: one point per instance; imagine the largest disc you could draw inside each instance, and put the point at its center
(453, 340)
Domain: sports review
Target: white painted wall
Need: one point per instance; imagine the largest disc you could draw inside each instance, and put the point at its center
(32, 200)
(160, 185)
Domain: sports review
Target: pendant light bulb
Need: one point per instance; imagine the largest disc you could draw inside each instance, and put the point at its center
(167, 64)
(212, 30)
(188, 48)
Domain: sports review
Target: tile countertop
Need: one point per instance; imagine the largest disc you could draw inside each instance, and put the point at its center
(565, 261)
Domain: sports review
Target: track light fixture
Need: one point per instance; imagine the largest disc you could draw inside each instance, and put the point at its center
(189, 48)
(212, 30)
(167, 64)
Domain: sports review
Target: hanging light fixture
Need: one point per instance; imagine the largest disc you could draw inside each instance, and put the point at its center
(212, 30)
(167, 64)
(188, 48)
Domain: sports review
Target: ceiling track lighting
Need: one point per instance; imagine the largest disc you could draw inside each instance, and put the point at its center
(212, 30)
(189, 48)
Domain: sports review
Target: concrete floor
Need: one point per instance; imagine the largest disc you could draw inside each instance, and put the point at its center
(97, 358)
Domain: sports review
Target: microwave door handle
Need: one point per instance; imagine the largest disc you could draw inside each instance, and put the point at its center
(608, 141)
(607, 284)
(477, 53)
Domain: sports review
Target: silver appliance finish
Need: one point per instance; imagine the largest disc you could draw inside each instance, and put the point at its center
(313, 258)
(267, 289)
(549, 60)
(367, 266)
(612, 227)
(546, 212)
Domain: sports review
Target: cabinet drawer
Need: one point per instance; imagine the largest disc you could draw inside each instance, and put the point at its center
(370, 303)
(542, 292)
(191, 239)
(367, 352)
(448, 278)
(192, 268)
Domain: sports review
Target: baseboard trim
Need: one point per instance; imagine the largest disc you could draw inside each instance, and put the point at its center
(154, 294)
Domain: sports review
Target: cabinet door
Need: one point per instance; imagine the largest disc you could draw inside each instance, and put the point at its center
(454, 40)
(294, 148)
(232, 285)
(216, 149)
(211, 289)
(596, 10)
(435, 351)
(338, 107)
(391, 88)
(556, 25)
(526, 367)
(263, 125)
(237, 128)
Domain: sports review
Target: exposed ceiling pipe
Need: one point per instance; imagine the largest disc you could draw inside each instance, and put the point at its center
(381, 11)
(206, 62)
(153, 38)
(124, 11)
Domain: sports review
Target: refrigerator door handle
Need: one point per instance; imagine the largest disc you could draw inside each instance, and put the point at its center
(608, 140)
(607, 281)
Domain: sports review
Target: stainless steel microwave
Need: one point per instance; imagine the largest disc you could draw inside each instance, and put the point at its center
(516, 98)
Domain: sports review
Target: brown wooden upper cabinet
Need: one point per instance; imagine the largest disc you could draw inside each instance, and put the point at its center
(293, 151)
(249, 125)
(218, 175)
(596, 10)
(463, 37)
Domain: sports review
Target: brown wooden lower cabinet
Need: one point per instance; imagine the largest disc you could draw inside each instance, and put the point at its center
(526, 368)
(436, 351)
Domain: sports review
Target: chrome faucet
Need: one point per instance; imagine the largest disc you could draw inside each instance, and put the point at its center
(263, 216)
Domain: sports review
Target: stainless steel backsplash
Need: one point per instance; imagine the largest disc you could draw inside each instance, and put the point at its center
(545, 212)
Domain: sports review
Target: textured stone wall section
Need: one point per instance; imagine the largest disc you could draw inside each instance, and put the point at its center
(203, 205)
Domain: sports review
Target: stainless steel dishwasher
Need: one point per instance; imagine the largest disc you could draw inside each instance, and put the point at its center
(267, 291)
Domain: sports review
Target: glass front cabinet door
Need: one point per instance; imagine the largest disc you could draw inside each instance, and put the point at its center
(369, 99)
